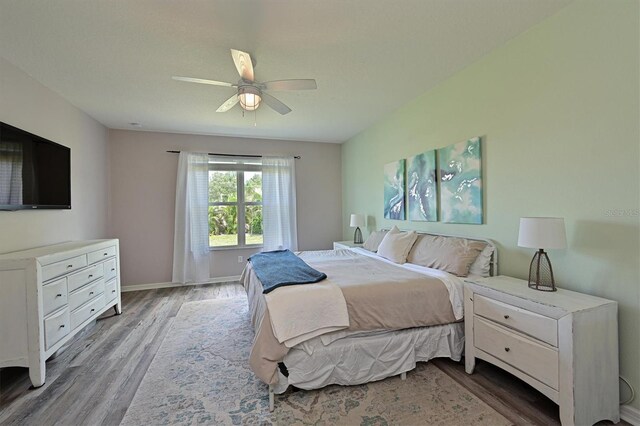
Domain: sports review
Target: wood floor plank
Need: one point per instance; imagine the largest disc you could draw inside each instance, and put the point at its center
(95, 378)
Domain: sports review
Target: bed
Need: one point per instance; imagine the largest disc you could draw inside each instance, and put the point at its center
(370, 319)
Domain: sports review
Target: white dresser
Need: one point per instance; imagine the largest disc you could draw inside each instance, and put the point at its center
(338, 245)
(564, 343)
(48, 294)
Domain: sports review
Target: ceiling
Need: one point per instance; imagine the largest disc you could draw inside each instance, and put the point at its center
(114, 59)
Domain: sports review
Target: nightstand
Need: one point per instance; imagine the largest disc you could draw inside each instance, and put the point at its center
(563, 343)
(337, 245)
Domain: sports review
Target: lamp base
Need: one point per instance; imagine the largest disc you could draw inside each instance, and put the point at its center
(357, 236)
(541, 273)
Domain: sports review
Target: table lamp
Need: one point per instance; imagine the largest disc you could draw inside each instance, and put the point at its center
(357, 220)
(542, 233)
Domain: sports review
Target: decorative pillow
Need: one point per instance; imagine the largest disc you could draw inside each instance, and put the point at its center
(374, 240)
(395, 245)
(482, 265)
(450, 254)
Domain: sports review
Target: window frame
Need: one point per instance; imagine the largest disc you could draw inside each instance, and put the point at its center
(240, 167)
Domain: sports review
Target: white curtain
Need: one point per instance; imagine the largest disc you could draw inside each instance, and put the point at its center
(191, 237)
(279, 203)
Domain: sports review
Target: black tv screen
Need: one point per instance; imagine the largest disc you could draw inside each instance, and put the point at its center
(35, 173)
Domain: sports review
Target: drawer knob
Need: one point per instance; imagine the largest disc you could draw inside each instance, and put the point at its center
(62, 326)
(113, 291)
(106, 254)
(506, 317)
(69, 266)
(90, 275)
(90, 293)
(507, 349)
(58, 295)
(93, 310)
(113, 269)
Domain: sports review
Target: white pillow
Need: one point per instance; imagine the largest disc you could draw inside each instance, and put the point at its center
(482, 265)
(396, 245)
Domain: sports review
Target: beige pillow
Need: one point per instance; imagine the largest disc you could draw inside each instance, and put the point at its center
(482, 265)
(396, 245)
(374, 240)
(450, 254)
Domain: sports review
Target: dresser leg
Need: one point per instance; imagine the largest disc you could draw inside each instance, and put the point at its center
(37, 374)
(118, 308)
(469, 364)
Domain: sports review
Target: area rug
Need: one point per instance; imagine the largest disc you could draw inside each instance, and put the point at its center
(200, 375)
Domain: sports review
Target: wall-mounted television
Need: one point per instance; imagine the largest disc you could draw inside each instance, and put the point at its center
(35, 173)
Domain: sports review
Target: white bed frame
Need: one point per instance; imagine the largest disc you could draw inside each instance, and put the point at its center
(492, 272)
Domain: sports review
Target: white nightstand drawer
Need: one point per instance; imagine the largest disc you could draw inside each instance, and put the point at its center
(526, 355)
(54, 296)
(111, 290)
(527, 322)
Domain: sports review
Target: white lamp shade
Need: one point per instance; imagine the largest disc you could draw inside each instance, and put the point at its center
(357, 220)
(542, 233)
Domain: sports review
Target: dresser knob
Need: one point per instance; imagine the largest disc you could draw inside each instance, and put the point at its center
(113, 269)
(93, 310)
(507, 349)
(106, 254)
(62, 326)
(506, 317)
(69, 266)
(113, 291)
(90, 275)
(90, 293)
(58, 295)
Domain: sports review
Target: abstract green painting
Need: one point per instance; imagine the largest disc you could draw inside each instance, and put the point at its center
(461, 182)
(394, 190)
(422, 188)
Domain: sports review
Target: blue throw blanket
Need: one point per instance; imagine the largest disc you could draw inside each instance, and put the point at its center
(282, 267)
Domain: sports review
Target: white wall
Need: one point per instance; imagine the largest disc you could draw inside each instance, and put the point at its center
(28, 105)
(143, 185)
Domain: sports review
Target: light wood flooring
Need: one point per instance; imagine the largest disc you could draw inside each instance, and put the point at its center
(94, 379)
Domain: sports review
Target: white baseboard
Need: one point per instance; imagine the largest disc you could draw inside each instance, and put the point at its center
(152, 286)
(630, 415)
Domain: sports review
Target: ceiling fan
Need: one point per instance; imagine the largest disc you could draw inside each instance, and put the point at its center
(250, 93)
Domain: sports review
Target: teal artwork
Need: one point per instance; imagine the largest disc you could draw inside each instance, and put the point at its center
(461, 182)
(422, 188)
(394, 190)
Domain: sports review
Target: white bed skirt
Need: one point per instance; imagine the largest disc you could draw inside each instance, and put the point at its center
(369, 357)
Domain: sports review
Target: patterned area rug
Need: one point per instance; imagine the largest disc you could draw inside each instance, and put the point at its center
(200, 375)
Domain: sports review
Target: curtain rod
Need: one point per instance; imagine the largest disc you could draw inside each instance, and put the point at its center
(297, 157)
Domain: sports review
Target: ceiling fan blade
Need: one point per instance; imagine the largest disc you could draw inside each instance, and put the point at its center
(202, 81)
(243, 64)
(299, 84)
(275, 104)
(228, 104)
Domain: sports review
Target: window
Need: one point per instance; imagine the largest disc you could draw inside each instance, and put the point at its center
(235, 203)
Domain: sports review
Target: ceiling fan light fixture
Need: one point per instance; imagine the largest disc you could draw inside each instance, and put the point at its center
(249, 97)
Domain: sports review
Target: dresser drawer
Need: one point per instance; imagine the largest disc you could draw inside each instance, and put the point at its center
(86, 293)
(528, 356)
(110, 269)
(56, 327)
(111, 290)
(86, 311)
(59, 268)
(85, 276)
(54, 296)
(98, 255)
(527, 322)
